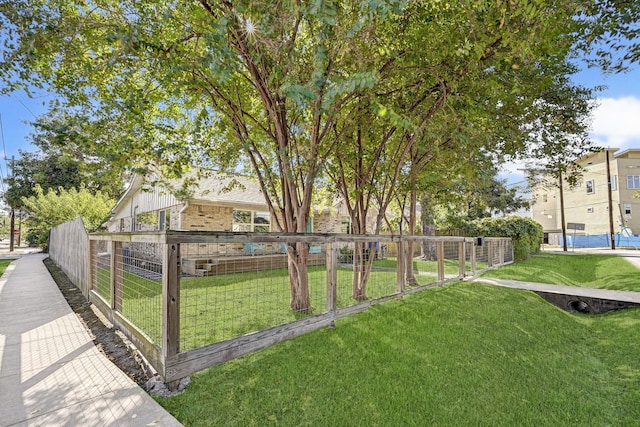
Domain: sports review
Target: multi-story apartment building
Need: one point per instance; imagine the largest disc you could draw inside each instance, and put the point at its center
(588, 201)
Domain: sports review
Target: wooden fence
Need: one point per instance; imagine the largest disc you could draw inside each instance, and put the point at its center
(69, 249)
(237, 301)
(190, 300)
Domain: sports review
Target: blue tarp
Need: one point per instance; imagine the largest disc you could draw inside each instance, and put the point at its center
(602, 241)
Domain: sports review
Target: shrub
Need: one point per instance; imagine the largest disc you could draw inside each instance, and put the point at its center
(525, 233)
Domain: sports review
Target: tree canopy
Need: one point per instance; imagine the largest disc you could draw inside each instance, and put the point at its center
(296, 89)
(56, 206)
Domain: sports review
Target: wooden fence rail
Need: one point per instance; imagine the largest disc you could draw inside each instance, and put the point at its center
(172, 314)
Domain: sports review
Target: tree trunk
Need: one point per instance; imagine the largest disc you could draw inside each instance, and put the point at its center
(408, 259)
(359, 269)
(299, 278)
(429, 252)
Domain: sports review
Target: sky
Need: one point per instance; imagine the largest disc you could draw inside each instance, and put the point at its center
(616, 122)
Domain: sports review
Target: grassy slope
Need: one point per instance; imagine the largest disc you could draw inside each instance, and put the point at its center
(590, 271)
(462, 354)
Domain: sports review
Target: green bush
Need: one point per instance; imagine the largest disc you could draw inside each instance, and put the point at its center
(525, 233)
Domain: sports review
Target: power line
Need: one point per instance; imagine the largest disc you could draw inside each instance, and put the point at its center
(4, 148)
(24, 105)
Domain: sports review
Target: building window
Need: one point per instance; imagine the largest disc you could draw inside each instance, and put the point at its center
(633, 182)
(544, 198)
(613, 183)
(589, 210)
(590, 186)
(346, 226)
(251, 221)
(164, 220)
(627, 209)
(122, 225)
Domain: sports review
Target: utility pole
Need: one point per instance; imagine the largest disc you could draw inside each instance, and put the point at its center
(564, 224)
(12, 224)
(610, 200)
(13, 214)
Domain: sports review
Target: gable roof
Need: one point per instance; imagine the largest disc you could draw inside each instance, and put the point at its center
(211, 188)
(216, 187)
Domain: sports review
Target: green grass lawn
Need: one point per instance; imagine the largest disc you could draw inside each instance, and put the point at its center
(461, 354)
(4, 263)
(429, 268)
(584, 270)
(219, 307)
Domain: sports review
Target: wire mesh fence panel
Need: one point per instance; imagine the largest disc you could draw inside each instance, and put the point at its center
(139, 287)
(482, 256)
(424, 265)
(231, 289)
(508, 250)
(101, 271)
(366, 270)
(451, 259)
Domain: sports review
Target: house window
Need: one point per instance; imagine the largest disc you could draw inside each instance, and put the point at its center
(251, 221)
(633, 182)
(590, 186)
(121, 225)
(544, 198)
(164, 220)
(613, 183)
(627, 209)
(346, 226)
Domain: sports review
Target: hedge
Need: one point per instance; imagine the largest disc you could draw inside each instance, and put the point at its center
(525, 233)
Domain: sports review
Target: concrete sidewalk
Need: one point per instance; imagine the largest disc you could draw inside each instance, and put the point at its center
(626, 296)
(51, 373)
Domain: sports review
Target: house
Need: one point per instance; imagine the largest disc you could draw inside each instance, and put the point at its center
(588, 201)
(219, 202)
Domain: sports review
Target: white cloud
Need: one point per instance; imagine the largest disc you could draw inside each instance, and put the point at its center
(616, 123)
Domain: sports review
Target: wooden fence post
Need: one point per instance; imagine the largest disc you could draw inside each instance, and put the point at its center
(489, 252)
(332, 277)
(112, 276)
(170, 300)
(440, 255)
(502, 249)
(117, 276)
(461, 259)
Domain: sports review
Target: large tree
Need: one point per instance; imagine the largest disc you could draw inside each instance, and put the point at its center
(476, 85)
(39, 169)
(57, 205)
(86, 142)
(266, 76)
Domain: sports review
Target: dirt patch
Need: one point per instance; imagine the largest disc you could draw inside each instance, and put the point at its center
(106, 337)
